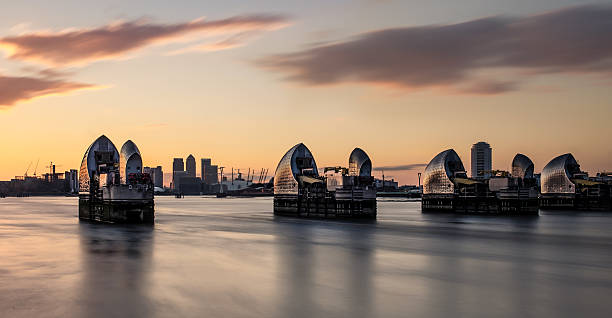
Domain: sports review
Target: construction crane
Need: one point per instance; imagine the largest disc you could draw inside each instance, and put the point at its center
(27, 169)
(36, 167)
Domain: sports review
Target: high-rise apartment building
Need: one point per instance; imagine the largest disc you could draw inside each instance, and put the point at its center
(481, 160)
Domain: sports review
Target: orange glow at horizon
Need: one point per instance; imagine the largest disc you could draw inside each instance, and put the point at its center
(402, 105)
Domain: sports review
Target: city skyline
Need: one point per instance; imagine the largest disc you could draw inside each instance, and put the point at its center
(399, 172)
(230, 86)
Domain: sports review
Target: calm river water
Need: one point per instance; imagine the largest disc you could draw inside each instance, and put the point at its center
(209, 257)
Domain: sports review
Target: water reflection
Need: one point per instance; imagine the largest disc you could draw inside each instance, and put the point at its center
(296, 272)
(360, 272)
(232, 258)
(116, 263)
(325, 268)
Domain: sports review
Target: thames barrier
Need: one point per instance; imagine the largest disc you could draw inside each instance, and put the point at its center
(112, 187)
(562, 185)
(565, 186)
(446, 188)
(300, 191)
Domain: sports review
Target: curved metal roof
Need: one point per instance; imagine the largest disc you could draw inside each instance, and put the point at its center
(360, 163)
(89, 164)
(297, 161)
(522, 166)
(129, 153)
(557, 174)
(441, 171)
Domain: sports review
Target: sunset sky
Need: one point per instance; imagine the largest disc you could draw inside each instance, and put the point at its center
(243, 81)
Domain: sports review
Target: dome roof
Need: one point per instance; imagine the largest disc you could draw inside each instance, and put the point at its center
(557, 174)
(130, 160)
(441, 171)
(522, 167)
(101, 151)
(297, 161)
(360, 163)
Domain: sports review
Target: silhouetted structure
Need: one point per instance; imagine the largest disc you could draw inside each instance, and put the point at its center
(188, 185)
(158, 177)
(66, 183)
(177, 167)
(157, 174)
(190, 166)
(209, 172)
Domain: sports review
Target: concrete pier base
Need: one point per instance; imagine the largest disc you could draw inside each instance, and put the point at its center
(325, 208)
(480, 205)
(115, 211)
(575, 202)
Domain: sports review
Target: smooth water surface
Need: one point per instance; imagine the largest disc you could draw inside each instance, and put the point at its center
(209, 257)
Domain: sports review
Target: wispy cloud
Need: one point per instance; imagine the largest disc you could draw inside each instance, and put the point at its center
(48, 73)
(233, 41)
(83, 46)
(20, 89)
(460, 57)
(413, 166)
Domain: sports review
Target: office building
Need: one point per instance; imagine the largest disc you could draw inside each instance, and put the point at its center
(177, 166)
(157, 175)
(212, 174)
(190, 166)
(205, 162)
(72, 181)
(209, 172)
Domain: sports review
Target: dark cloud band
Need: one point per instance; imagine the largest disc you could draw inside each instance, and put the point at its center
(461, 56)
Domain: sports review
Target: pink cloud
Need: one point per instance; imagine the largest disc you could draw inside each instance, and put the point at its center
(234, 41)
(79, 47)
(19, 89)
